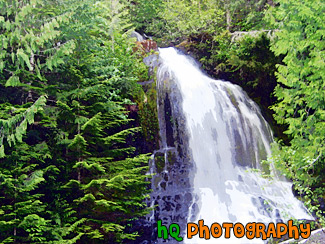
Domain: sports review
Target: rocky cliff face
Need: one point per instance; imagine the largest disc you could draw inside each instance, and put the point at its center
(170, 163)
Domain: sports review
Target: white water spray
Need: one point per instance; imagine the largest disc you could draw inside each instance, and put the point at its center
(228, 137)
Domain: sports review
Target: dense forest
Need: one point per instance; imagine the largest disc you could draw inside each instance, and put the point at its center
(77, 128)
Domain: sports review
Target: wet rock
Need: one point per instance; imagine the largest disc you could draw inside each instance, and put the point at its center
(151, 60)
(137, 35)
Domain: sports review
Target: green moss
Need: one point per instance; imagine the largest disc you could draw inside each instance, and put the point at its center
(171, 157)
(232, 98)
(160, 162)
(263, 155)
(157, 180)
(148, 115)
(261, 150)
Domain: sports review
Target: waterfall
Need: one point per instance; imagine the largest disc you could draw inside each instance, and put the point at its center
(213, 139)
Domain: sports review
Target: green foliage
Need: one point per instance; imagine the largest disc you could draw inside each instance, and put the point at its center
(28, 36)
(23, 215)
(175, 20)
(99, 182)
(301, 95)
(190, 17)
(145, 15)
(244, 15)
(70, 170)
(15, 127)
(178, 19)
(148, 117)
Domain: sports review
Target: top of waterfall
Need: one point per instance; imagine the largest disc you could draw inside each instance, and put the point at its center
(173, 55)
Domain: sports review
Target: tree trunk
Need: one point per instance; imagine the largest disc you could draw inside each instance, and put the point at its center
(228, 18)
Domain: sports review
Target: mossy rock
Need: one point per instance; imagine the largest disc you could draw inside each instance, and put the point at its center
(160, 162)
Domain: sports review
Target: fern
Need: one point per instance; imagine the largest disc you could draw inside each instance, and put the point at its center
(14, 128)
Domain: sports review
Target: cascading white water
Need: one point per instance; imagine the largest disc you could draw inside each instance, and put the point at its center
(228, 137)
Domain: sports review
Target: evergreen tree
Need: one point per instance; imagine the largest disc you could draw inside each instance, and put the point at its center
(301, 96)
(23, 217)
(68, 172)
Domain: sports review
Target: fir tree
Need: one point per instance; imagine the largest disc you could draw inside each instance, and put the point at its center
(301, 96)
(68, 172)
